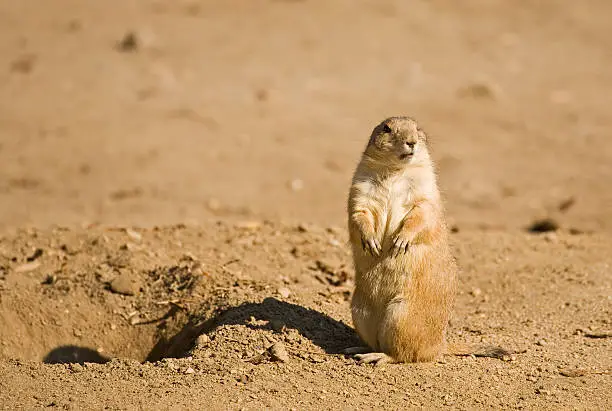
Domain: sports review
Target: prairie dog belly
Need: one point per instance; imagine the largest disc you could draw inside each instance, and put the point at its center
(397, 198)
(392, 276)
(388, 281)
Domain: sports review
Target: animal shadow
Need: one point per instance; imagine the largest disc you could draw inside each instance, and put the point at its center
(74, 354)
(329, 334)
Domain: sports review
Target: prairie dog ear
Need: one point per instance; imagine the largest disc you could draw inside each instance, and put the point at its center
(379, 138)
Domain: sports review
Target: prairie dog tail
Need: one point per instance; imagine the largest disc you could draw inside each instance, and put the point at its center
(490, 351)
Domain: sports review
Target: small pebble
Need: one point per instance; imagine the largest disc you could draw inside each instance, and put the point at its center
(279, 353)
(134, 235)
(296, 184)
(249, 225)
(551, 237)
(213, 204)
(203, 340)
(284, 292)
(26, 268)
(334, 242)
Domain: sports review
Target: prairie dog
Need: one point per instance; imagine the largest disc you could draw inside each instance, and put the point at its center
(406, 277)
(405, 274)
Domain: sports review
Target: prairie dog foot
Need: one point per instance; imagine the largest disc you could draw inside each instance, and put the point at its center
(376, 358)
(356, 350)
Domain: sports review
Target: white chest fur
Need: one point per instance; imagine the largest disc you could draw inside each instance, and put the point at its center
(399, 194)
(394, 197)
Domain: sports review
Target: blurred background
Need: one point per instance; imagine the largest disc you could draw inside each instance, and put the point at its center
(167, 111)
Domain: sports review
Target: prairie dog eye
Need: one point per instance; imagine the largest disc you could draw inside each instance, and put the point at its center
(386, 128)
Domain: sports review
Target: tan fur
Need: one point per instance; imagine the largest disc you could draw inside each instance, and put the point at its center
(405, 273)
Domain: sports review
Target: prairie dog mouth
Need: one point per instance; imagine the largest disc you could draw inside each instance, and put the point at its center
(405, 156)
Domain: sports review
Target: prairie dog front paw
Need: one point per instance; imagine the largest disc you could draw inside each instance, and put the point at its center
(371, 245)
(402, 243)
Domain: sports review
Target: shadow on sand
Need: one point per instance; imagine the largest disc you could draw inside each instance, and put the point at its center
(329, 334)
(74, 354)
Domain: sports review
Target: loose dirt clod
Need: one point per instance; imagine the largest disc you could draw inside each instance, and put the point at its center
(574, 373)
(124, 284)
(566, 204)
(476, 292)
(544, 225)
(598, 335)
(37, 253)
(478, 90)
(128, 43)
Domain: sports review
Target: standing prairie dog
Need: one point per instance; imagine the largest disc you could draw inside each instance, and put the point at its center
(406, 276)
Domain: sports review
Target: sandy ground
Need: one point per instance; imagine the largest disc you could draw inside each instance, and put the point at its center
(196, 155)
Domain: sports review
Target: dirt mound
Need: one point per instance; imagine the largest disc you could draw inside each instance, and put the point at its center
(126, 292)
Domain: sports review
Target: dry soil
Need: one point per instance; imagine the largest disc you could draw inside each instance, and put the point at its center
(173, 183)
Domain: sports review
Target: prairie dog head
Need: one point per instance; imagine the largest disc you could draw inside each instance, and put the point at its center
(398, 141)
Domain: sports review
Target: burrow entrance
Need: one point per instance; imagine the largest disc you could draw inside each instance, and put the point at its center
(96, 316)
